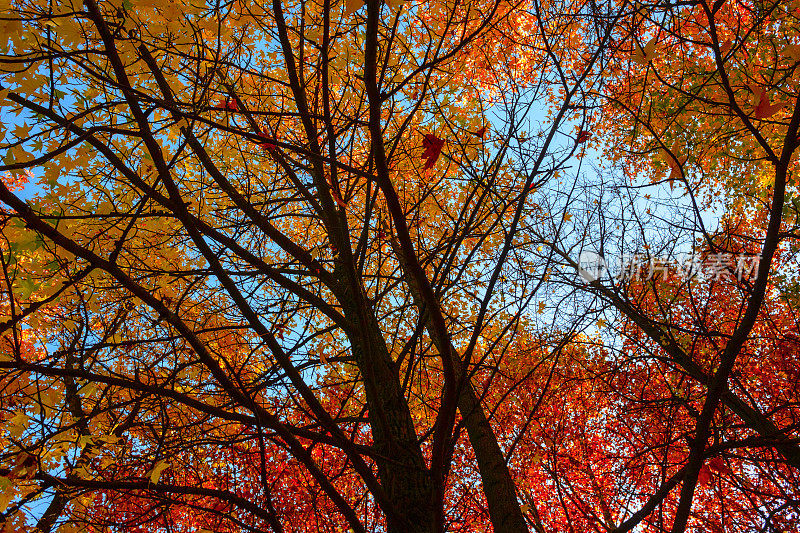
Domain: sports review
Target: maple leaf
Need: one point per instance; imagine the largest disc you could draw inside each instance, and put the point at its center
(644, 55)
(792, 51)
(433, 149)
(763, 108)
(583, 136)
(481, 132)
(717, 464)
(673, 164)
(394, 4)
(228, 104)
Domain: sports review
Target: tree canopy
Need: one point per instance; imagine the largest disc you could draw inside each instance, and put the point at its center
(324, 266)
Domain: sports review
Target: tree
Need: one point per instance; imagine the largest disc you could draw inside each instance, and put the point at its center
(314, 266)
(703, 100)
(265, 272)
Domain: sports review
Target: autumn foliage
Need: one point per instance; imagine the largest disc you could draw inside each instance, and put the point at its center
(315, 266)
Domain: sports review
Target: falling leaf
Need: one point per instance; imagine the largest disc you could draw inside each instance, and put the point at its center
(525, 508)
(433, 149)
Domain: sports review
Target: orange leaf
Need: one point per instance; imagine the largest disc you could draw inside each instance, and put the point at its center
(646, 54)
(673, 164)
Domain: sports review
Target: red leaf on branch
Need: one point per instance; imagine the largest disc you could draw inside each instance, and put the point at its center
(583, 136)
(433, 148)
(481, 132)
(266, 142)
(228, 104)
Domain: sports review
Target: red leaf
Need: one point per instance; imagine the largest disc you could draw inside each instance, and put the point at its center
(764, 109)
(717, 464)
(583, 136)
(481, 132)
(228, 104)
(266, 143)
(433, 148)
(704, 477)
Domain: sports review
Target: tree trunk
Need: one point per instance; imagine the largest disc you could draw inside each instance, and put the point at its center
(403, 472)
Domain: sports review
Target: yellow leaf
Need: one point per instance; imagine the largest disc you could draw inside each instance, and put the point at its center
(17, 424)
(155, 473)
(7, 493)
(351, 6)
